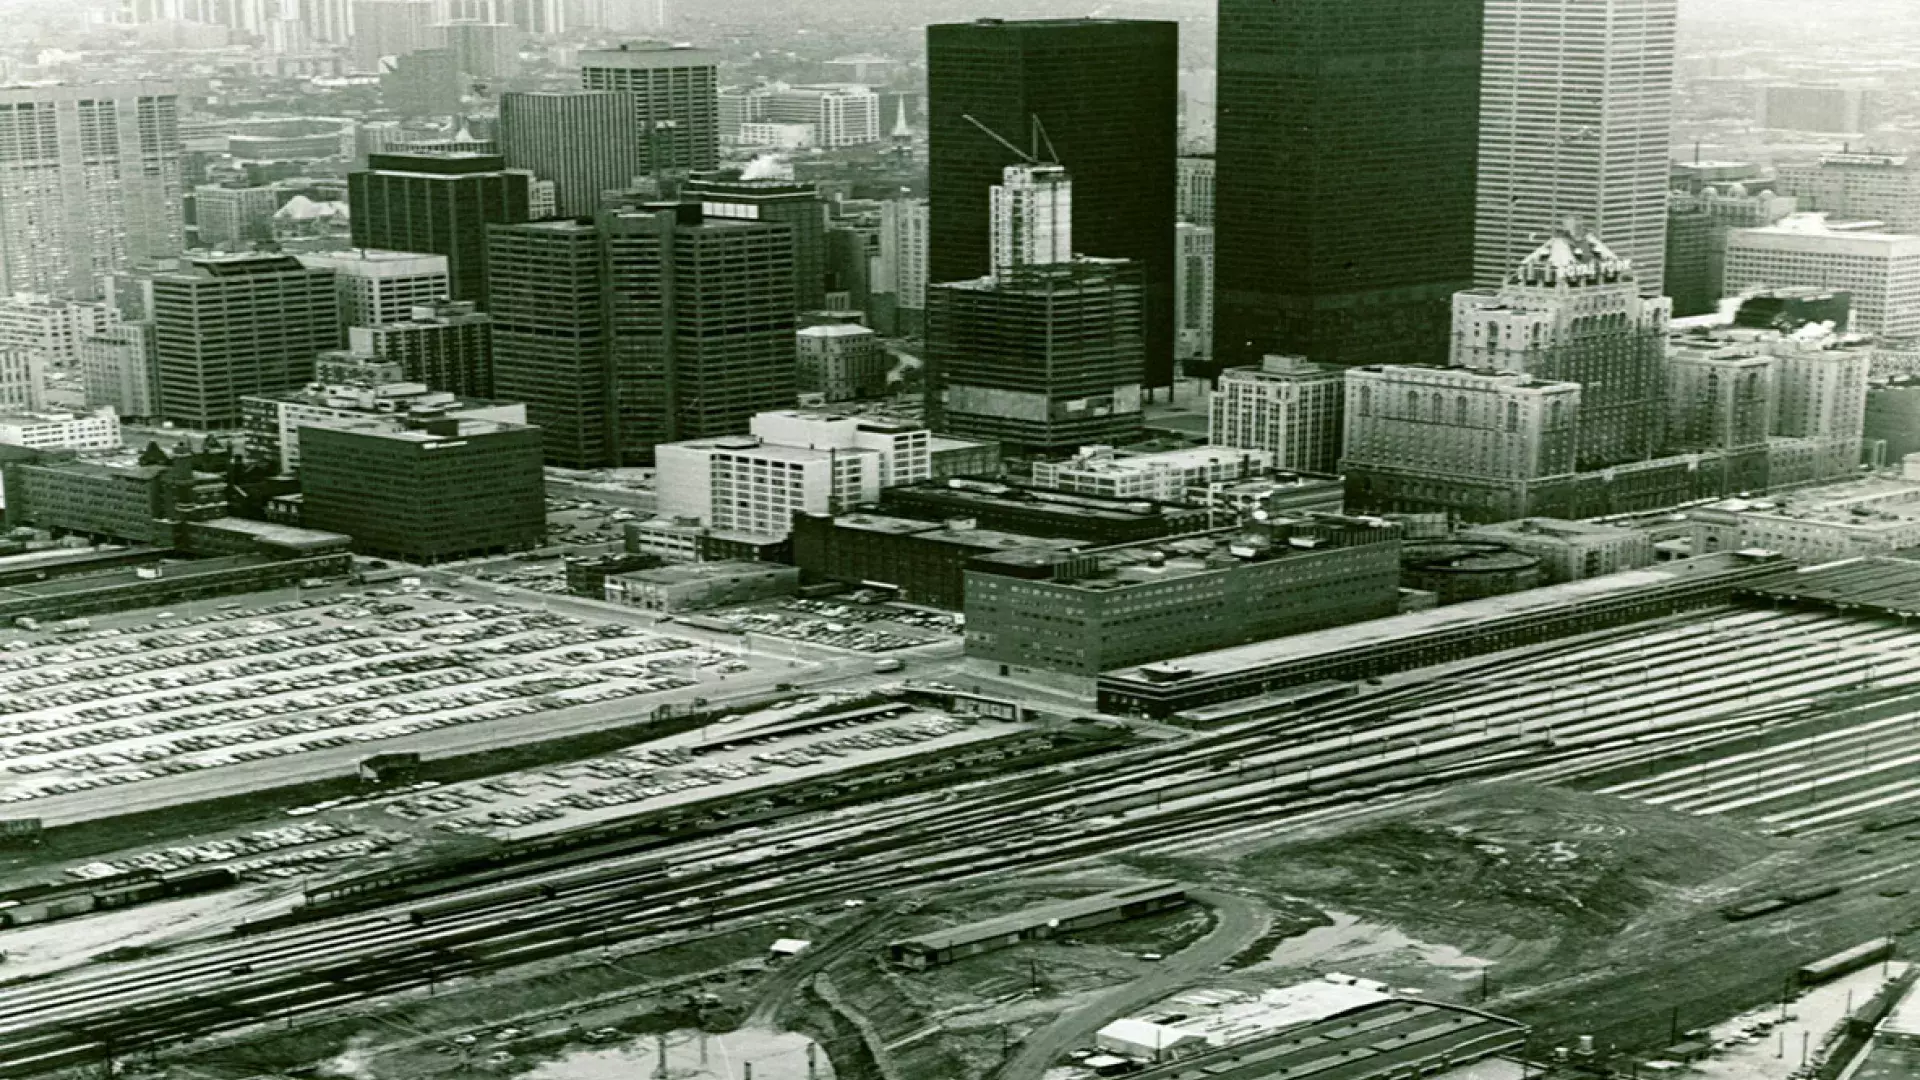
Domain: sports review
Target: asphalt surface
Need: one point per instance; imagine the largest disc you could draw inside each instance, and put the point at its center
(813, 666)
(1241, 922)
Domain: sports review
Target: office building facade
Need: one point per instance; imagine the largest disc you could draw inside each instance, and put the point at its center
(1097, 96)
(446, 346)
(1194, 203)
(841, 362)
(89, 184)
(550, 336)
(1344, 204)
(583, 141)
(380, 287)
(791, 463)
(227, 327)
(1861, 186)
(700, 324)
(1193, 296)
(900, 270)
(1287, 407)
(798, 206)
(840, 115)
(1572, 311)
(439, 204)
(1466, 441)
(1067, 616)
(675, 91)
(456, 489)
(1880, 270)
(1043, 362)
(118, 368)
(1576, 122)
(233, 218)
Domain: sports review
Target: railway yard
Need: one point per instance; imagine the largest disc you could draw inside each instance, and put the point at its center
(1629, 835)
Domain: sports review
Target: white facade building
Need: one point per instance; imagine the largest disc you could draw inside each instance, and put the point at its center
(792, 462)
(89, 184)
(388, 408)
(1175, 476)
(1880, 270)
(1286, 407)
(118, 367)
(1193, 199)
(1193, 291)
(380, 287)
(50, 326)
(1031, 218)
(98, 430)
(1576, 121)
(901, 267)
(840, 114)
(23, 381)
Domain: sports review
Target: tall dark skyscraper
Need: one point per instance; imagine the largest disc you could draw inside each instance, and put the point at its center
(584, 142)
(1347, 149)
(700, 320)
(651, 325)
(440, 204)
(1106, 93)
(783, 201)
(550, 336)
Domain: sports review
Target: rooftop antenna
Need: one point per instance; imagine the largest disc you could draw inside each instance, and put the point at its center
(995, 136)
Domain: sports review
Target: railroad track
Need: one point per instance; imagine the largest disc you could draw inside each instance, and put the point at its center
(1650, 694)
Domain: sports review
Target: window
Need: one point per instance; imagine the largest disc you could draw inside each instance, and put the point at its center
(1513, 416)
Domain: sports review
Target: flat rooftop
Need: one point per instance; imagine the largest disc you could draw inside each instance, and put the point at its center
(1375, 632)
(986, 540)
(170, 570)
(281, 535)
(1874, 500)
(1039, 915)
(1386, 1038)
(1174, 557)
(1890, 585)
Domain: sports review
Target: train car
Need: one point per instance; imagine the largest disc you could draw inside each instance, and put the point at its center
(128, 895)
(432, 913)
(1865, 954)
(197, 880)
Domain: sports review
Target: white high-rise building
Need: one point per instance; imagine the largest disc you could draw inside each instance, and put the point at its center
(89, 184)
(900, 270)
(793, 461)
(1032, 218)
(1576, 121)
(381, 287)
(1193, 291)
(1880, 270)
(1287, 407)
(119, 369)
(50, 326)
(841, 115)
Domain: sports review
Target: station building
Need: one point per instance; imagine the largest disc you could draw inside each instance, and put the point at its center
(1419, 639)
(926, 561)
(1062, 618)
(1038, 512)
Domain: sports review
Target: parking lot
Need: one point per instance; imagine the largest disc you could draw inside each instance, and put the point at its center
(844, 624)
(150, 695)
(677, 769)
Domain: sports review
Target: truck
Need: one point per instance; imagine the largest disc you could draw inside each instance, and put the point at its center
(71, 626)
(27, 623)
(888, 663)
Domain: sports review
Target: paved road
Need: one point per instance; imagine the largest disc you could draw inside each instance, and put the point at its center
(1241, 922)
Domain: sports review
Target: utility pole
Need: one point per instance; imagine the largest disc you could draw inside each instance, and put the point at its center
(660, 1070)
